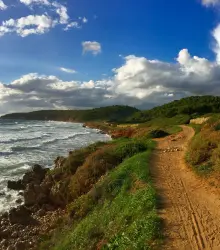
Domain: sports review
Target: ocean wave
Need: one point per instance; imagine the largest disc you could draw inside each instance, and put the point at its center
(23, 148)
(6, 153)
(24, 139)
(65, 138)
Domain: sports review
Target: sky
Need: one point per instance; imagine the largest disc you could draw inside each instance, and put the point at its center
(79, 54)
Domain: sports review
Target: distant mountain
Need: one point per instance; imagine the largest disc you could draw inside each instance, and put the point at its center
(111, 114)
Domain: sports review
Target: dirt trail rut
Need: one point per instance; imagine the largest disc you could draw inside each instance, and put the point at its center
(188, 207)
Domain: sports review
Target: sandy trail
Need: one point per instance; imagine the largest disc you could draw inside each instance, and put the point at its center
(188, 207)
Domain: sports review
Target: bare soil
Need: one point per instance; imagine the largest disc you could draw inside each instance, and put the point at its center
(188, 206)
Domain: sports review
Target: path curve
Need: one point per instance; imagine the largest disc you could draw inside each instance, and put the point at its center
(189, 209)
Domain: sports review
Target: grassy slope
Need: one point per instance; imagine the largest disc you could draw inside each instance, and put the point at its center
(189, 107)
(204, 151)
(122, 216)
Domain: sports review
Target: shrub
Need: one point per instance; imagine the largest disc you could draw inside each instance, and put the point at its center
(101, 161)
(200, 150)
(158, 134)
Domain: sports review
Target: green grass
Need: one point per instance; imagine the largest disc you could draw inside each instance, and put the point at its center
(197, 127)
(119, 213)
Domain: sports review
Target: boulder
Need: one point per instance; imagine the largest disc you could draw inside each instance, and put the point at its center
(20, 245)
(20, 215)
(34, 194)
(19, 201)
(16, 185)
(36, 175)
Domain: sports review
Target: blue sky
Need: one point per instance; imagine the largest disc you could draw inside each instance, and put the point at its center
(68, 48)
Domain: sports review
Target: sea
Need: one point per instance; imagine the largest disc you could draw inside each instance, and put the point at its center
(25, 143)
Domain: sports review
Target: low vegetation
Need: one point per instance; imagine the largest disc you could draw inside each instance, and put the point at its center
(118, 212)
(179, 112)
(204, 151)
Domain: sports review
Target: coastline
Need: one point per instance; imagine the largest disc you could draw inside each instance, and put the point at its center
(22, 226)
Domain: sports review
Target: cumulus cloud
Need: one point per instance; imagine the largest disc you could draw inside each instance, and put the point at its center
(3, 6)
(38, 24)
(93, 47)
(72, 25)
(138, 82)
(66, 70)
(55, 14)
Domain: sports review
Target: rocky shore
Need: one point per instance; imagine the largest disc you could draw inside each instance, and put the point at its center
(22, 227)
(42, 205)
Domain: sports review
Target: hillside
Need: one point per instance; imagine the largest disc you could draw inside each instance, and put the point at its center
(110, 113)
(187, 108)
(193, 106)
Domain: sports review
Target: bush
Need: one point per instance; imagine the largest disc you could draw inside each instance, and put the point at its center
(158, 134)
(200, 150)
(101, 161)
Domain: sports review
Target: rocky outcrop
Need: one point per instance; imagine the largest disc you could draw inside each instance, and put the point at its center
(35, 176)
(20, 215)
(16, 185)
(34, 194)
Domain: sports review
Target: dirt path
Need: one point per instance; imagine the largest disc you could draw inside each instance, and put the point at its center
(188, 207)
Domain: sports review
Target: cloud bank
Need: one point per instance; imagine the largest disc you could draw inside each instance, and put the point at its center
(137, 82)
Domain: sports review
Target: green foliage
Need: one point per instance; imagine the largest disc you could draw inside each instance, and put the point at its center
(158, 133)
(200, 150)
(130, 148)
(179, 111)
(111, 114)
(217, 127)
(192, 107)
(101, 161)
(121, 216)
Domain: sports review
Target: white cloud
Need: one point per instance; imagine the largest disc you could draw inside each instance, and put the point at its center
(61, 10)
(70, 71)
(54, 14)
(85, 20)
(3, 6)
(72, 25)
(93, 47)
(210, 2)
(25, 26)
(137, 82)
(30, 2)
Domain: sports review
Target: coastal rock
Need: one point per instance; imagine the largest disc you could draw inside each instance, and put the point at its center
(4, 233)
(20, 245)
(34, 194)
(11, 248)
(16, 185)
(20, 215)
(19, 201)
(36, 175)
